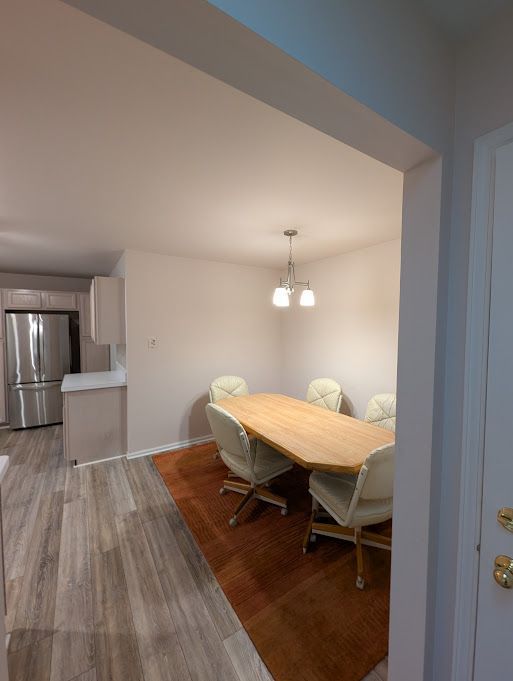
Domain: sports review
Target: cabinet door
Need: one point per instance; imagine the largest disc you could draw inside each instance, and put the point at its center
(19, 299)
(92, 310)
(59, 300)
(3, 402)
(84, 311)
(108, 310)
(94, 357)
(95, 424)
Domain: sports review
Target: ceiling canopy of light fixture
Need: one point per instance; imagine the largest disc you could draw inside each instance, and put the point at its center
(283, 292)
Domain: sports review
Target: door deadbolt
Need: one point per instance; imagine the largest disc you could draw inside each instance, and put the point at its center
(503, 573)
(505, 518)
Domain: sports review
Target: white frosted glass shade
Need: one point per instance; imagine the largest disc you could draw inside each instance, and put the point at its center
(307, 298)
(281, 297)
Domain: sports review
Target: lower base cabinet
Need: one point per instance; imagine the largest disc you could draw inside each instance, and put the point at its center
(94, 424)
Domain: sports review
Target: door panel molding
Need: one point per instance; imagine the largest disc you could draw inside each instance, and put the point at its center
(474, 398)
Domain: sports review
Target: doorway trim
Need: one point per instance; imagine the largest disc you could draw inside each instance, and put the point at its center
(474, 398)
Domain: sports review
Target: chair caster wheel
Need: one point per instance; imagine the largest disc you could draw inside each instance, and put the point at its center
(360, 582)
(284, 511)
(232, 522)
(305, 550)
(222, 491)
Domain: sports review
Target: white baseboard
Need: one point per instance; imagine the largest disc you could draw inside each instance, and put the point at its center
(171, 447)
(90, 463)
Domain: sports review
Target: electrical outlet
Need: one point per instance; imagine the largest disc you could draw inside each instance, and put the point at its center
(153, 342)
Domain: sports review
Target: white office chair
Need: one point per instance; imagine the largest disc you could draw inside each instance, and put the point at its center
(325, 393)
(227, 386)
(355, 506)
(253, 461)
(381, 411)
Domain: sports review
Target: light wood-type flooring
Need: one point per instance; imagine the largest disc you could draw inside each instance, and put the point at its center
(104, 580)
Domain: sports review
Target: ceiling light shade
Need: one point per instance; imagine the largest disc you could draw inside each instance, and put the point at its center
(281, 297)
(307, 298)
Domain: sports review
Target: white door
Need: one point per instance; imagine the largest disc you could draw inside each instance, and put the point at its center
(494, 625)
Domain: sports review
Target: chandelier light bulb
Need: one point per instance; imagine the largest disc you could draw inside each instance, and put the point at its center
(281, 297)
(307, 298)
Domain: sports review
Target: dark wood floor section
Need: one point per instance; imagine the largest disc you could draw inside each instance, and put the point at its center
(104, 580)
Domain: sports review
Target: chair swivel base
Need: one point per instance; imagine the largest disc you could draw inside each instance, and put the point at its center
(356, 535)
(258, 492)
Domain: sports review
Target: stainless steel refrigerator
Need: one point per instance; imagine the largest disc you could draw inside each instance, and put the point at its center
(38, 356)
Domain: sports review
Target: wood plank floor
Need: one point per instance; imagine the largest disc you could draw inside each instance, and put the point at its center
(104, 580)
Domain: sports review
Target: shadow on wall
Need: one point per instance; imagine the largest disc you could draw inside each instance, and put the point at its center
(195, 423)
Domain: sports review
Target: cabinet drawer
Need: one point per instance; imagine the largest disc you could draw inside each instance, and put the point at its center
(19, 299)
(59, 300)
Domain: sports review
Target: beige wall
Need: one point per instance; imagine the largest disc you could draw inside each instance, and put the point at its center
(43, 283)
(351, 333)
(210, 319)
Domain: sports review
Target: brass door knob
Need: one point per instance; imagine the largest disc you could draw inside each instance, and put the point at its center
(505, 518)
(503, 573)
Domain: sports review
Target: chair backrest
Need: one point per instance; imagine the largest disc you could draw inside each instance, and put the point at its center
(324, 392)
(381, 411)
(375, 479)
(227, 386)
(230, 436)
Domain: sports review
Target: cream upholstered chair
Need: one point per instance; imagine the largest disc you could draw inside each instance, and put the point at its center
(227, 386)
(324, 392)
(253, 461)
(381, 411)
(355, 506)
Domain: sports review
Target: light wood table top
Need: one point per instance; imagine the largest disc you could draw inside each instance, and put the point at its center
(313, 437)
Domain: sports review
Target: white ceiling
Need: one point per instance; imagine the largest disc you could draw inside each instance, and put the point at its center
(460, 19)
(109, 144)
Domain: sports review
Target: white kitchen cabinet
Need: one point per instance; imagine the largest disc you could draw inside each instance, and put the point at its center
(107, 302)
(21, 299)
(93, 357)
(84, 311)
(94, 424)
(3, 401)
(59, 300)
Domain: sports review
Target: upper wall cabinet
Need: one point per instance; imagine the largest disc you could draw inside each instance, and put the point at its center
(20, 299)
(85, 314)
(59, 300)
(24, 299)
(107, 301)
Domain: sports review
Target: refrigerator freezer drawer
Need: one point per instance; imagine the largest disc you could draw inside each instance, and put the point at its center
(35, 404)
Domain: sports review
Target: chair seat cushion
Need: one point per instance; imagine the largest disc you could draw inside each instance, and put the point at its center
(334, 492)
(269, 463)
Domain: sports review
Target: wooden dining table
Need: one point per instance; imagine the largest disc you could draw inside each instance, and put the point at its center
(313, 437)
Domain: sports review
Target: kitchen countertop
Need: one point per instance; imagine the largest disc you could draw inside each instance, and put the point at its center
(93, 380)
(4, 465)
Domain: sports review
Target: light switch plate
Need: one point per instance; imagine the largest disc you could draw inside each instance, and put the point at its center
(153, 342)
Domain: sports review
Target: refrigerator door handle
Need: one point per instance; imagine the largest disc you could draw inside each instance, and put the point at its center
(33, 386)
(41, 345)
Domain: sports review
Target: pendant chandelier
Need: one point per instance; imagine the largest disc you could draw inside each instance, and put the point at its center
(283, 292)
